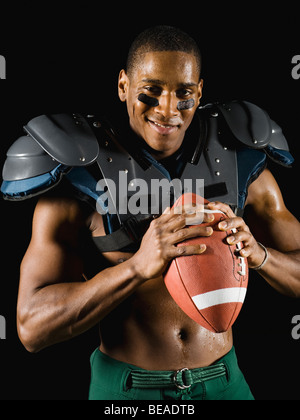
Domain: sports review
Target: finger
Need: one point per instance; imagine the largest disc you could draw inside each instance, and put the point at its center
(179, 221)
(234, 223)
(184, 250)
(189, 208)
(195, 213)
(224, 208)
(245, 252)
(165, 216)
(238, 237)
(199, 217)
(167, 211)
(189, 233)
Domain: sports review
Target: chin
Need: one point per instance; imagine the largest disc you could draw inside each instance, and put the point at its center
(160, 152)
(163, 144)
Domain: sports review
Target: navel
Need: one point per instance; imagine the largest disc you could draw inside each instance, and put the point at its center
(182, 334)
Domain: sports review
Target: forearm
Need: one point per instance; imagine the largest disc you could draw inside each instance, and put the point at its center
(61, 311)
(282, 272)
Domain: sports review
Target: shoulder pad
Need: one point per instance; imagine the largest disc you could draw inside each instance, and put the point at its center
(252, 126)
(26, 159)
(67, 138)
(29, 171)
(278, 141)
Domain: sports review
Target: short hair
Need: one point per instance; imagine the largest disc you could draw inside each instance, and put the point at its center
(161, 38)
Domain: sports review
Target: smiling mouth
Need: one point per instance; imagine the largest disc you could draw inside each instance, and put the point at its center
(161, 128)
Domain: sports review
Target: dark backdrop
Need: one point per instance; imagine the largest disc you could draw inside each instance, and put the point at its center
(70, 61)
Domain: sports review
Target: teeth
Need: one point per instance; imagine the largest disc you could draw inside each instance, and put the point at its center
(163, 126)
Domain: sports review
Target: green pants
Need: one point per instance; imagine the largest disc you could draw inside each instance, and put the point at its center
(112, 380)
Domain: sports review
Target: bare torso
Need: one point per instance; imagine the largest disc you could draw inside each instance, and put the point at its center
(149, 330)
(139, 322)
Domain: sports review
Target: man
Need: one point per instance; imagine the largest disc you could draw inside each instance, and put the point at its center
(146, 339)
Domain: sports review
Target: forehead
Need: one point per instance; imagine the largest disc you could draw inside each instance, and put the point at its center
(167, 66)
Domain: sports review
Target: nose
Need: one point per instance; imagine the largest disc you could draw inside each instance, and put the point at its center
(167, 106)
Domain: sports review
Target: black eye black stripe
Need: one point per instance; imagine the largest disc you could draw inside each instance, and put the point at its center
(153, 102)
(147, 100)
(181, 106)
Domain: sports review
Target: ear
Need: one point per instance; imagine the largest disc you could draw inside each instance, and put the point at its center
(123, 85)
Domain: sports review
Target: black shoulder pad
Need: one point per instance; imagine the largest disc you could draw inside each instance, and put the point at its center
(278, 140)
(252, 126)
(67, 138)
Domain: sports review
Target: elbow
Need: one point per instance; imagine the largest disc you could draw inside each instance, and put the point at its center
(296, 294)
(295, 287)
(293, 290)
(28, 335)
(28, 339)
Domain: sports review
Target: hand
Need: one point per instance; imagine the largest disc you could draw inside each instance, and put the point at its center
(252, 250)
(158, 246)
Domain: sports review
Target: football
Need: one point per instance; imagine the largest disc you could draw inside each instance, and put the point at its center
(210, 288)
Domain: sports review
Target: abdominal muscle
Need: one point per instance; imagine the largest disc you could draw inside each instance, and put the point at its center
(150, 331)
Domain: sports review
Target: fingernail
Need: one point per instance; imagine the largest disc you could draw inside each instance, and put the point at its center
(202, 248)
(244, 253)
(209, 230)
(231, 239)
(223, 225)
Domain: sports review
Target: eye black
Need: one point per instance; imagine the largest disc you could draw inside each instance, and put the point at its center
(147, 100)
(181, 106)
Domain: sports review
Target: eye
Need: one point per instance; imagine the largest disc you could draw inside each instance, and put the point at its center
(154, 90)
(183, 93)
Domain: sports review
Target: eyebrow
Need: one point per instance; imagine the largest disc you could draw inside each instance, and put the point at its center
(154, 81)
(162, 82)
(187, 85)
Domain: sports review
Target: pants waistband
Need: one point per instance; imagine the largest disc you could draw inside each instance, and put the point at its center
(126, 376)
(182, 379)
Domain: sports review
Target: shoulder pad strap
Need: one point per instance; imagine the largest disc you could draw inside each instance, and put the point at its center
(67, 138)
(248, 123)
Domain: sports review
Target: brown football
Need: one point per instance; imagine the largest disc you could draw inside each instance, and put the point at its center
(210, 288)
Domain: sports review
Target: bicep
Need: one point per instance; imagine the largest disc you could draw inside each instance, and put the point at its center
(268, 218)
(52, 255)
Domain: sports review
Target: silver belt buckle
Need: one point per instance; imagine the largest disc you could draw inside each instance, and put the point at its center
(176, 379)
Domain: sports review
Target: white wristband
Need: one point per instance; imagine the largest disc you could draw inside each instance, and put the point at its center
(265, 260)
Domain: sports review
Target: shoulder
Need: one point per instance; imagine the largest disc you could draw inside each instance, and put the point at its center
(60, 219)
(264, 195)
(268, 217)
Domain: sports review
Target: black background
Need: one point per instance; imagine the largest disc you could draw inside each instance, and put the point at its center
(69, 61)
